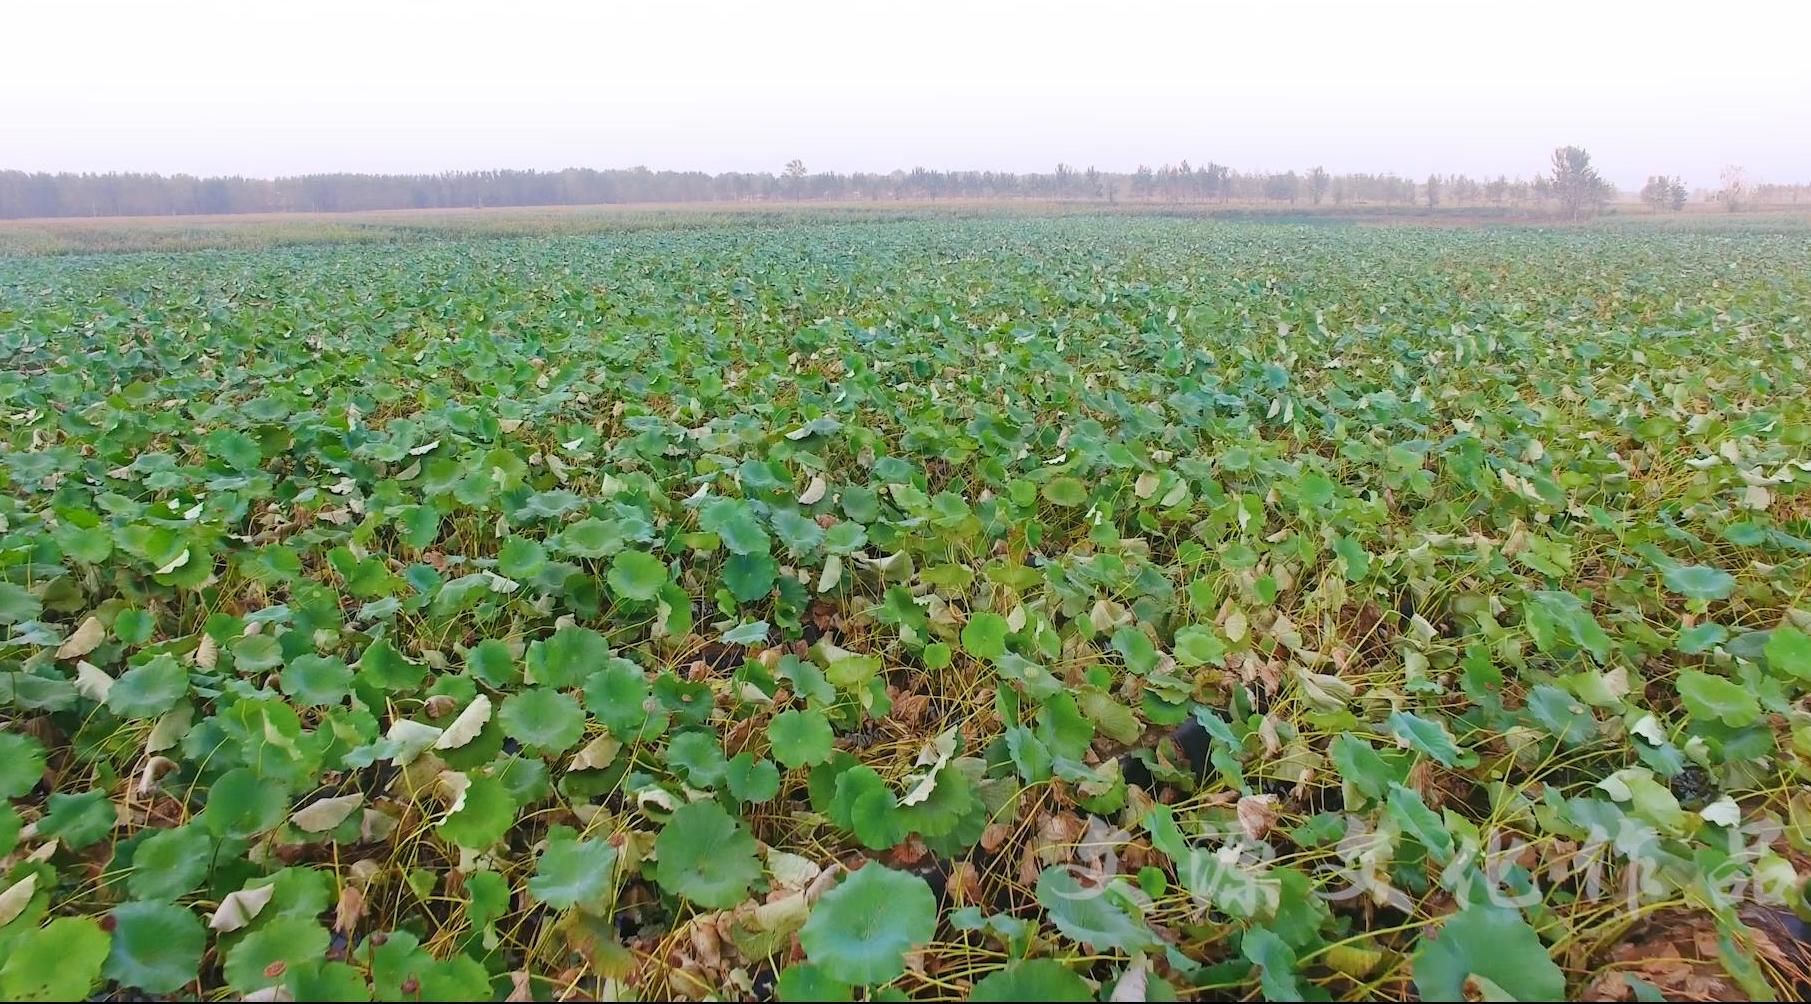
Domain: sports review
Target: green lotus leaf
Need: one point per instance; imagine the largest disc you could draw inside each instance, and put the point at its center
(1090, 914)
(1788, 651)
(1429, 737)
(1699, 582)
(806, 982)
(384, 667)
(590, 538)
(1714, 698)
(257, 653)
(572, 872)
(699, 756)
(984, 636)
(565, 659)
(485, 818)
(325, 981)
(21, 763)
(148, 689)
(156, 947)
(521, 558)
(316, 680)
(542, 719)
(263, 957)
(706, 855)
(800, 533)
(77, 820)
(636, 576)
(57, 962)
(18, 604)
(750, 576)
(1032, 980)
(492, 662)
(1198, 646)
(617, 695)
(1490, 942)
(859, 932)
(733, 521)
(170, 863)
(1276, 964)
(746, 633)
(241, 804)
(801, 738)
(134, 627)
(1065, 491)
(751, 780)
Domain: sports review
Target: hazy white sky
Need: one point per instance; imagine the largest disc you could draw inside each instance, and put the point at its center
(263, 88)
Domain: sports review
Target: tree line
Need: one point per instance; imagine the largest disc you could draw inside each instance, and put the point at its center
(1573, 187)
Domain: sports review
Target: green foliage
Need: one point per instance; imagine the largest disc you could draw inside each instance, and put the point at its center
(542, 719)
(860, 931)
(1491, 944)
(566, 597)
(156, 947)
(573, 872)
(800, 738)
(1032, 980)
(77, 820)
(21, 764)
(58, 962)
(706, 855)
(171, 863)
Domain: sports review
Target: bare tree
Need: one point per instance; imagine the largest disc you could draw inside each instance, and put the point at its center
(1433, 190)
(1735, 186)
(1318, 181)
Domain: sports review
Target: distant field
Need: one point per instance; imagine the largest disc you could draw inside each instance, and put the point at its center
(919, 602)
(79, 235)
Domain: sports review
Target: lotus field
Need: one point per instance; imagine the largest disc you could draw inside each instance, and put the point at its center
(1086, 608)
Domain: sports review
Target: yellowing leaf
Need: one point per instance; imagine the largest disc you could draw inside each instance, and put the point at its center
(597, 754)
(83, 639)
(91, 681)
(411, 739)
(466, 727)
(241, 908)
(814, 491)
(14, 900)
(327, 813)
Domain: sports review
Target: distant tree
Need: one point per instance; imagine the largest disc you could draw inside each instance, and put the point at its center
(1663, 193)
(41, 194)
(1218, 181)
(792, 179)
(1142, 182)
(1281, 187)
(1735, 187)
(1433, 190)
(1777, 192)
(1092, 186)
(1576, 184)
(1318, 183)
(214, 196)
